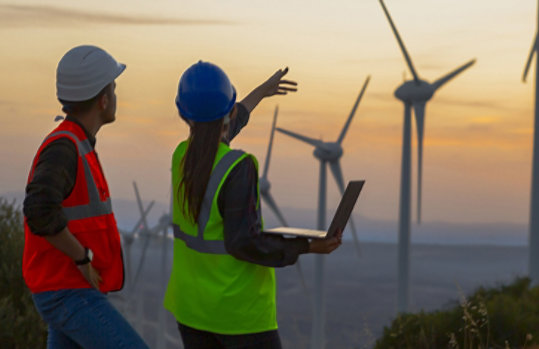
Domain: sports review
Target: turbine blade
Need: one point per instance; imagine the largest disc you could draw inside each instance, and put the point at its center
(354, 235)
(141, 261)
(141, 210)
(311, 141)
(352, 113)
(322, 185)
(268, 199)
(401, 44)
(148, 234)
(142, 217)
(268, 155)
(337, 174)
(530, 57)
(441, 81)
(419, 111)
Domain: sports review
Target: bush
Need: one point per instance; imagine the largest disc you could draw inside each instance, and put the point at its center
(503, 317)
(20, 324)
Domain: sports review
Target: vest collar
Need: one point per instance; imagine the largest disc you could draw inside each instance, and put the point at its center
(91, 138)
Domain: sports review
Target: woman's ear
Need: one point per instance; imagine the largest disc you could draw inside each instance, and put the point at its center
(234, 112)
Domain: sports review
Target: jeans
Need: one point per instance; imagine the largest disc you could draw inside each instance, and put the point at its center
(84, 318)
(197, 339)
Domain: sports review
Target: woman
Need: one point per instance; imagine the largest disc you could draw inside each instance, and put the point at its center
(222, 285)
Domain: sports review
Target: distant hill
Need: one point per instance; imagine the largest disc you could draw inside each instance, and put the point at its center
(369, 230)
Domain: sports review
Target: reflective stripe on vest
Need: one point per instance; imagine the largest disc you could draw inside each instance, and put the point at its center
(198, 243)
(95, 206)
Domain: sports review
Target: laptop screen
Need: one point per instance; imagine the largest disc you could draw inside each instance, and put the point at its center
(345, 208)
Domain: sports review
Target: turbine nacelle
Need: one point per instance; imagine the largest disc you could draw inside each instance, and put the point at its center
(412, 92)
(328, 151)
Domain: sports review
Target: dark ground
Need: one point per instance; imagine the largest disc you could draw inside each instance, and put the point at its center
(360, 290)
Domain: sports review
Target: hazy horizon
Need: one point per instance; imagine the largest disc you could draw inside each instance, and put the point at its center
(368, 229)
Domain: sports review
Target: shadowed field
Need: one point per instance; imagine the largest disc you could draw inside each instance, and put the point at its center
(360, 291)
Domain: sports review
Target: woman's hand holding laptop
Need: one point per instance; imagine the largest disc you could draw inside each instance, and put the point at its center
(328, 245)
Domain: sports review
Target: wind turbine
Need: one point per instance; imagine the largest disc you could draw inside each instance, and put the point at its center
(326, 152)
(414, 94)
(147, 233)
(129, 238)
(264, 187)
(533, 268)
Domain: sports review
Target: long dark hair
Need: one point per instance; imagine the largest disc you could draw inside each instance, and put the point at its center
(197, 165)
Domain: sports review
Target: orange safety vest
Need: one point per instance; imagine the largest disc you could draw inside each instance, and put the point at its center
(90, 219)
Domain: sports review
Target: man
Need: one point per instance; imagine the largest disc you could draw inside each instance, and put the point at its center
(72, 253)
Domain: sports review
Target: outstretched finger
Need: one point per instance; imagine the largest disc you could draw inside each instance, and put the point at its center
(281, 72)
(283, 88)
(284, 71)
(288, 82)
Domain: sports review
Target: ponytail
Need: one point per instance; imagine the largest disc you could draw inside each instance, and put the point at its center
(197, 165)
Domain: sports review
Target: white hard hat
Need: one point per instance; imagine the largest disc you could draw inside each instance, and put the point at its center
(84, 71)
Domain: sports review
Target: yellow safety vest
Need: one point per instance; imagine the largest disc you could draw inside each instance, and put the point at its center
(209, 289)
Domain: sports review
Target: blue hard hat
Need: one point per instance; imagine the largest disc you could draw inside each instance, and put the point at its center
(205, 93)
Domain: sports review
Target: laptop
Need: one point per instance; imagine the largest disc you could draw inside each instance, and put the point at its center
(348, 201)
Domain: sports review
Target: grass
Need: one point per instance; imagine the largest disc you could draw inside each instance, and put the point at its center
(502, 317)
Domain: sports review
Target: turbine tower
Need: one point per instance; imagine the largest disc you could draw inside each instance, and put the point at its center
(533, 268)
(128, 238)
(147, 233)
(414, 94)
(264, 183)
(264, 186)
(326, 152)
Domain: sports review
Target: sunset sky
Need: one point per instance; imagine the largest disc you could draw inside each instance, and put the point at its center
(478, 132)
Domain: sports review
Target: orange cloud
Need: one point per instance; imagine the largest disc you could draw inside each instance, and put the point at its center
(12, 15)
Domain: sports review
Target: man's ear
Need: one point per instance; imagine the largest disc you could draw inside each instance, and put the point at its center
(103, 101)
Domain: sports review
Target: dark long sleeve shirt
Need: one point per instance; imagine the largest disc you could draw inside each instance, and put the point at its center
(237, 205)
(54, 179)
(243, 238)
